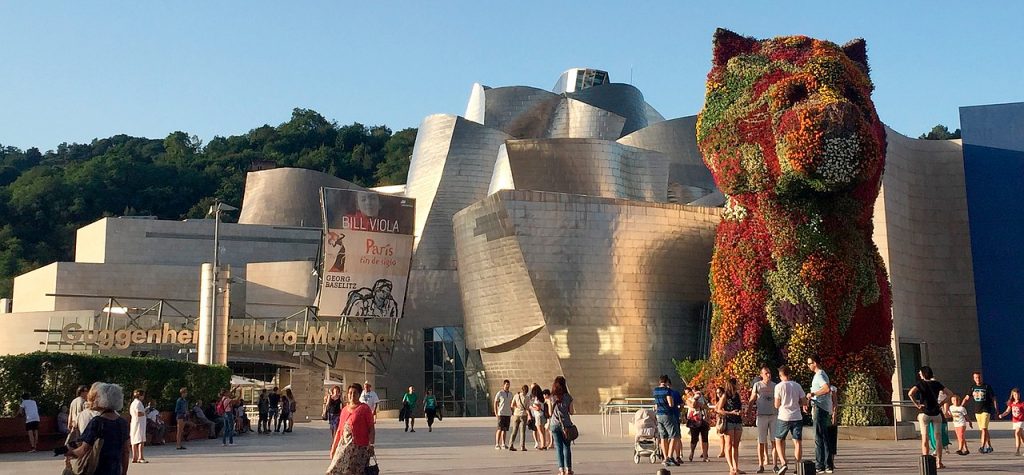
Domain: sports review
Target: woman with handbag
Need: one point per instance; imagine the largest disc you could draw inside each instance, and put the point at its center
(353, 441)
(107, 432)
(563, 431)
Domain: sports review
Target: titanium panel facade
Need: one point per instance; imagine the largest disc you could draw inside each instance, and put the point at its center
(575, 119)
(612, 289)
(520, 111)
(287, 196)
(588, 167)
(689, 179)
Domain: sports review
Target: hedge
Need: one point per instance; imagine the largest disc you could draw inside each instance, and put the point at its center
(51, 379)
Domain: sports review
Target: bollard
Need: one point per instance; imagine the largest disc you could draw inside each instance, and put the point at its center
(928, 465)
(805, 467)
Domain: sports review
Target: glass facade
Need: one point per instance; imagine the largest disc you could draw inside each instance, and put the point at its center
(455, 374)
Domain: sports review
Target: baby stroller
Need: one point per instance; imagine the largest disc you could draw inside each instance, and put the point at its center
(646, 443)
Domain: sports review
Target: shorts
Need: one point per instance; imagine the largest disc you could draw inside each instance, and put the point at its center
(983, 419)
(34, 425)
(668, 426)
(960, 432)
(504, 422)
(765, 428)
(733, 426)
(1017, 425)
(789, 427)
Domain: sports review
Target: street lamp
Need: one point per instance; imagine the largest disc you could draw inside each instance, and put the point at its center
(215, 210)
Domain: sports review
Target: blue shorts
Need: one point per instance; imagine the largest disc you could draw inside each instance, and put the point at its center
(789, 427)
(668, 426)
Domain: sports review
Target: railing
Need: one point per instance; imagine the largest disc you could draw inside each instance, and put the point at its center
(620, 405)
(387, 405)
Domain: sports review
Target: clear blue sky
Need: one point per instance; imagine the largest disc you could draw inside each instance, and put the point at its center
(76, 70)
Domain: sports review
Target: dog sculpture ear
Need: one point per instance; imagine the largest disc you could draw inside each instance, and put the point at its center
(857, 50)
(728, 45)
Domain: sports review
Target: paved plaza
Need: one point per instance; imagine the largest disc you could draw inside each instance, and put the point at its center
(464, 446)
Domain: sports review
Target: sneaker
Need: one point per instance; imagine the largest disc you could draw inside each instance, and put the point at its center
(782, 470)
(513, 449)
(830, 470)
(819, 470)
(523, 449)
(497, 447)
(412, 430)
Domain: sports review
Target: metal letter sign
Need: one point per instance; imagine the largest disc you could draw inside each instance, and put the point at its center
(367, 242)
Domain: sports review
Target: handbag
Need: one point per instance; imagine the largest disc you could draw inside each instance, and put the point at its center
(531, 424)
(570, 432)
(88, 462)
(372, 469)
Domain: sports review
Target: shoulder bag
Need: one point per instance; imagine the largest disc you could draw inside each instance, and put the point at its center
(570, 432)
(87, 463)
(373, 469)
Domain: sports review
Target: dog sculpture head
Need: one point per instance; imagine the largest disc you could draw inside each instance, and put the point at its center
(788, 116)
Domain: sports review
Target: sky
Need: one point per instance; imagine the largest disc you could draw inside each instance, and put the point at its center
(73, 71)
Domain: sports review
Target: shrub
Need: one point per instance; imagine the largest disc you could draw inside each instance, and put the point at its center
(51, 378)
(687, 369)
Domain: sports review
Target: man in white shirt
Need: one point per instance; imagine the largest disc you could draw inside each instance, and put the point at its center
(30, 410)
(821, 412)
(789, 398)
(155, 427)
(76, 407)
(369, 397)
(503, 410)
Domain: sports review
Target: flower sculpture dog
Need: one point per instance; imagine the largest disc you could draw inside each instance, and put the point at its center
(791, 136)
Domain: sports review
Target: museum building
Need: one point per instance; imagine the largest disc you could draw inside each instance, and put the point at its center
(557, 232)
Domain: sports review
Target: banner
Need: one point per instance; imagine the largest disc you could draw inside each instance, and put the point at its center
(367, 242)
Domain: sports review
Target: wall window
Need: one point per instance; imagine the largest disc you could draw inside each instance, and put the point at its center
(454, 373)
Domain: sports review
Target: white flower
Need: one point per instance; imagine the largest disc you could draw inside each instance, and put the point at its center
(840, 160)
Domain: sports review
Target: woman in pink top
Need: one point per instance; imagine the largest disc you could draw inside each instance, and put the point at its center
(353, 441)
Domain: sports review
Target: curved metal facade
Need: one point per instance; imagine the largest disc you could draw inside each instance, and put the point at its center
(604, 291)
(287, 196)
(588, 167)
(689, 179)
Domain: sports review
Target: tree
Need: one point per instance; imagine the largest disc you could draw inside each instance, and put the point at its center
(941, 132)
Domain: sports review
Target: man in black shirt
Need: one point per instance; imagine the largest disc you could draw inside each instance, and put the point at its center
(275, 400)
(925, 395)
(985, 405)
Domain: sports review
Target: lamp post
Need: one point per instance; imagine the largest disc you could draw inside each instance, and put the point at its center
(215, 210)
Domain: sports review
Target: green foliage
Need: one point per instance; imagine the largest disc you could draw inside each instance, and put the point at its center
(46, 197)
(51, 378)
(687, 369)
(861, 389)
(941, 132)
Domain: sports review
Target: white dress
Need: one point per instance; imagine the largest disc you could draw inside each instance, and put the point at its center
(138, 429)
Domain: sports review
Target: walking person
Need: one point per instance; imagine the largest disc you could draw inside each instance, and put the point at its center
(664, 406)
(503, 411)
(430, 409)
(520, 417)
(409, 408)
(720, 422)
(985, 405)
(353, 441)
(925, 396)
(332, 408)
(697, 422)
(958, 413)
(676, 446)
(181, 416)
(30, 410)
(138, 426)
(762, 398)
(821, 413)
(111, 428)
(540, 417)
(1015, 409)
(560, 412)
(730, 406)
(789, 399)
(74, 409)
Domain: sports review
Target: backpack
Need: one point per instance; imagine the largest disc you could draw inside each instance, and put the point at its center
(220, 407)
(87, 463)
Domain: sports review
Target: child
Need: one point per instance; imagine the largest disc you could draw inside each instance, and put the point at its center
(1015, 407)
(958, 413)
